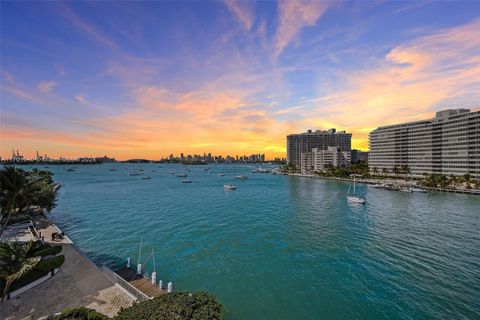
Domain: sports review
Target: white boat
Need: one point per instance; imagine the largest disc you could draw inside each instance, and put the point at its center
(241, 177)
(181, 175)
(229, 187)
(418, 190)
(221, 174)
(172, 172)
(187, 181)
(146, 178)
(135, 173)
(406, 189)
(354, 198)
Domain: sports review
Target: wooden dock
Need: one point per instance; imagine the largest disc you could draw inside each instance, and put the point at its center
(140, 283)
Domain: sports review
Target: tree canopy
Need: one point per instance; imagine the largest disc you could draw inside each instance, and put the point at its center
(177, 305)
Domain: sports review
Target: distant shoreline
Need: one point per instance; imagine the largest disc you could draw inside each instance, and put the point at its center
(379, 181)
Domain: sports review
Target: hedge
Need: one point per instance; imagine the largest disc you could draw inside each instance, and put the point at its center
(79, 314)
(46, 250)
(175, 306)
(41, 269)
(50, 263)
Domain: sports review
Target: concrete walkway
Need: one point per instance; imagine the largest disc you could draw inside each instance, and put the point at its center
(78, 283)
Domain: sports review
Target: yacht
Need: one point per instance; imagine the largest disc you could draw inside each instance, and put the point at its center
(229, 187)
(354, 198)
(135, 173)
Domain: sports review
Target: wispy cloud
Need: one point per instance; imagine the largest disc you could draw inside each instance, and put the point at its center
(243, 11)
(47, 86)
(409, 83)
(293, 16)
(86, 27)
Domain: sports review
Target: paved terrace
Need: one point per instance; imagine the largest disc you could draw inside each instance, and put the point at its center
(78, 283)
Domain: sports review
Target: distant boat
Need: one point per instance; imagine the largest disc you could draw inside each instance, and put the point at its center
(154, 170)
(113, 169)
(418, 190)
(187, 181)
(241, 177)
(146, 178)
(172, 172)
(354, 198)
(405, 189)
(229, 187)
(221, 174)
(181, 175)
(70, 170)
(136, 173)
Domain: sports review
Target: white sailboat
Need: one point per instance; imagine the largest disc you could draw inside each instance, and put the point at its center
(354, 198)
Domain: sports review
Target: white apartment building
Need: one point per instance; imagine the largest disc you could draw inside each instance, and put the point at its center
(447, 144)
(318, 159)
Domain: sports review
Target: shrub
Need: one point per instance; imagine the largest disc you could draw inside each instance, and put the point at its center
(178, 306)
(50, 264)
(79, 314)
(47, 250)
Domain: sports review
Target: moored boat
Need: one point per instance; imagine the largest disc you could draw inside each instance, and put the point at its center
(354, 198)
(241, 177)
(229, 187)
(187, 181)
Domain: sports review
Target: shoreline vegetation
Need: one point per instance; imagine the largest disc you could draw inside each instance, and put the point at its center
(397, 177)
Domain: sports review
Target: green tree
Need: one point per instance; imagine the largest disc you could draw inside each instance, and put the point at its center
(468, 179)
(12, 187)
(20, 190)
(14, 263)
(177, 305)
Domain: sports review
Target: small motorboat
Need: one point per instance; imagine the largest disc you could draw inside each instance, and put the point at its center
(418, 190)
(172, 172)
(241, 177)
(229, 187)
(181, 175)
(146, 178)
(221, 174)
(187, 181)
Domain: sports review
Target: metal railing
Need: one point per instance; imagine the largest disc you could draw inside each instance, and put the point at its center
(115, 278)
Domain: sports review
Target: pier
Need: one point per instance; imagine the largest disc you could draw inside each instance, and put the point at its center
(140, 282)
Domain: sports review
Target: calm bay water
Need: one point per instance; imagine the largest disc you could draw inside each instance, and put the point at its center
(282, 247)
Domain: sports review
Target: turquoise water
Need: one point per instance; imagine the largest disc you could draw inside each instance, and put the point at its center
(282, 247)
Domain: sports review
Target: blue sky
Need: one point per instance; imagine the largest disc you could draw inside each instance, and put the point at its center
(144, 79)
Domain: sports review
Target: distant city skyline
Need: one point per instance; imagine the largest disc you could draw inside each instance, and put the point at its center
(146, 79)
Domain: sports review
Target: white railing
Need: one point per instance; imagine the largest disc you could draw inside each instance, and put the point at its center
(115, 278)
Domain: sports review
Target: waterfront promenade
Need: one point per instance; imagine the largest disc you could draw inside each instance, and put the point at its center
(78, 283)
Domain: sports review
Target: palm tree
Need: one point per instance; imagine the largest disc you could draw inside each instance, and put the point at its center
(453, 180)
(15, 263)
(385, 172)
(375, 171)
(468, 178)
(12, 186)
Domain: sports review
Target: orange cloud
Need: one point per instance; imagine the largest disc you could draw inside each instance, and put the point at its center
(412, 81)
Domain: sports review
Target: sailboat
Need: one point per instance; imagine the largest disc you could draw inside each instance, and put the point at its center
(354, 198)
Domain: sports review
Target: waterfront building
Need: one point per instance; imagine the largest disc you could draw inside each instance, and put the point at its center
(448, 144)
(318, 159)
(305, 142)
(359, 156)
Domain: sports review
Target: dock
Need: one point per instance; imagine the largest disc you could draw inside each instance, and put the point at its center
(140, 282)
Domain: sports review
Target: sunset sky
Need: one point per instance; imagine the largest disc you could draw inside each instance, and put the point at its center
(146, 79)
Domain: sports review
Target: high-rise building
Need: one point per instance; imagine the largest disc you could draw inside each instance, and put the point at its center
(359, 156)
(448, 144)
(305, 142)
(318, 159)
